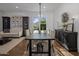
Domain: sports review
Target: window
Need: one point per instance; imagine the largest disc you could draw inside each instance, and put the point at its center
(43, 24)
(39, 24)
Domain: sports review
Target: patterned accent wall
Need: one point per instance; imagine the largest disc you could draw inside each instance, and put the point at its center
(16, 23)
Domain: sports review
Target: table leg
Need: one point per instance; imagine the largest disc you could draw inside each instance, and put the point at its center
(30, 49)
(53, 49)
(49, 47)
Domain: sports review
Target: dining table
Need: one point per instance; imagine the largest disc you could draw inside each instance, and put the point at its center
(42, 37)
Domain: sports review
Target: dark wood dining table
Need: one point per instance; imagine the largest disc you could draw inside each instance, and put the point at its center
(41, 36)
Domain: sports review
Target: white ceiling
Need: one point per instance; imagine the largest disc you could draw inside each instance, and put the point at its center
(28, 6)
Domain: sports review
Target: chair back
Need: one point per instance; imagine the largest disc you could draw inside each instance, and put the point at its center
(28, 32)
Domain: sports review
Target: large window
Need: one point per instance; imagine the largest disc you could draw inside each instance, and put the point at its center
(43, 24)
(39, 24)
(36, 23)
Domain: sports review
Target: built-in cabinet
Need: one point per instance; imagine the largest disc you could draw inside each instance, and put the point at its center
(15, 23)
(67, 39)
(25, 25)
(6, 24)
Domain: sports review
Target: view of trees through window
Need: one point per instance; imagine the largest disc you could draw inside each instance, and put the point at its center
(43, 24)
(39, 24)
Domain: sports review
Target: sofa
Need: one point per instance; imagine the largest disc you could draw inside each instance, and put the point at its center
(15, 32)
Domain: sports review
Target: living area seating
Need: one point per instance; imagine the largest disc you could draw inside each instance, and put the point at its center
(15, 32)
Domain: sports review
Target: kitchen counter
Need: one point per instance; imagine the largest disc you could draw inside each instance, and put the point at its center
(4, 49)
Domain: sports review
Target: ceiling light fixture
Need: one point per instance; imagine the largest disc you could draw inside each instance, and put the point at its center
(39, 14)
(40, 9)
(17, 7)
(44, 7)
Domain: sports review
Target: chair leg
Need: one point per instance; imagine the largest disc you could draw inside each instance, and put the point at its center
(39, 47)
(27, 46)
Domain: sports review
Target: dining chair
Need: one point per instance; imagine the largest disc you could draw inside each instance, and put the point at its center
(28, 34)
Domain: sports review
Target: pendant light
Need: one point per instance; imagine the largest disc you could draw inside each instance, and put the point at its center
(39, 15)
(40, 10)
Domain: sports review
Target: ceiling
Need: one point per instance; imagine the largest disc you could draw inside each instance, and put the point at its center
(28, 6)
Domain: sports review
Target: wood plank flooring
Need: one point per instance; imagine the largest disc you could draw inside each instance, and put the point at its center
(58, 51)
(62, 51)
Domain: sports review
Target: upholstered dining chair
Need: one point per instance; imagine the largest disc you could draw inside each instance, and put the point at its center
(28, 33)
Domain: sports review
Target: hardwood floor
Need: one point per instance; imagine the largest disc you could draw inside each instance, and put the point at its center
(74, 53)
(45, 48)
(61, 51)
(58, 51)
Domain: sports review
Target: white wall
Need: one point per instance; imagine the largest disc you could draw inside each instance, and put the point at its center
(73, 11)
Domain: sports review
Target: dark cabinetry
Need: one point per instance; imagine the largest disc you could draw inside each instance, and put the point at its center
(6, 24)
(25, 24)
(67, 39)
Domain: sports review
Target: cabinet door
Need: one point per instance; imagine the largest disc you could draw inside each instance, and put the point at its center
(25, 24)
(6, 24)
